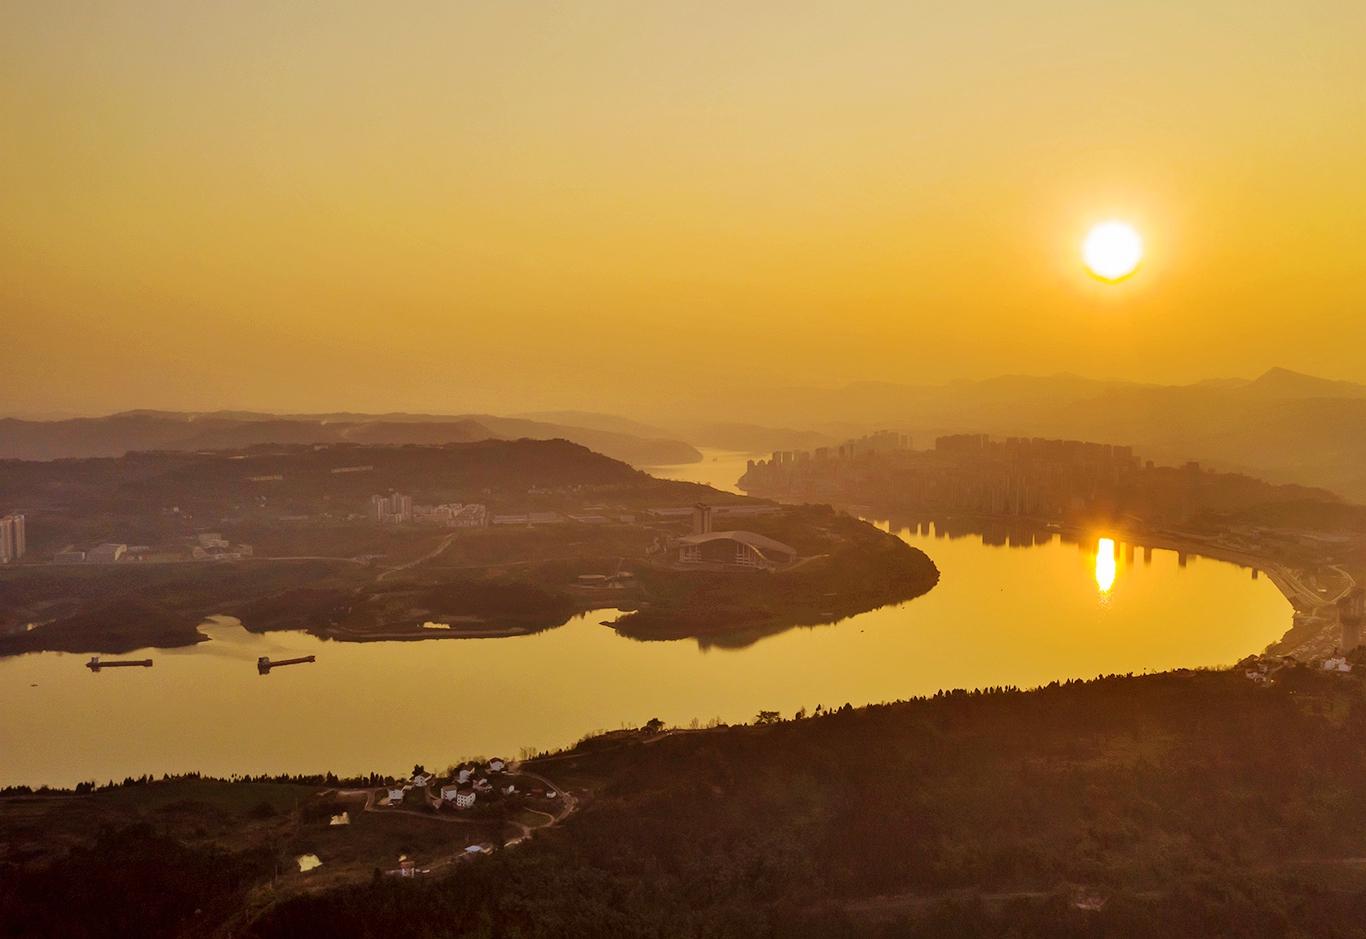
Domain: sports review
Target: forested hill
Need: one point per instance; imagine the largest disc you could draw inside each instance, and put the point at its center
(131, 431)
(343, 474)
(1192, 804)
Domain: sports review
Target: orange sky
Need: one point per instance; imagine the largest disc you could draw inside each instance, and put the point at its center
(502, 206)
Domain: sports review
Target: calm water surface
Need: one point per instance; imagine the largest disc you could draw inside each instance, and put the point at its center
(1001, 615)
(718, 468)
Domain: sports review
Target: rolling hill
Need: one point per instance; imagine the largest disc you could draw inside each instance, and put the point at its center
(132, 431)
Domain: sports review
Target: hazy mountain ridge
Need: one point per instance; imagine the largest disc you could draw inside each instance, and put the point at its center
(1283, 425)
(132, 431)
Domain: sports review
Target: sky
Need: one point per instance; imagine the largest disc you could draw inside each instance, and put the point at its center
(509, 206)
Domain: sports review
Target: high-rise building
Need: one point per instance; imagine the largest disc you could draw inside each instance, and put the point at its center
(396, 507)
(701, 519)
(379, 507)
(13, 539)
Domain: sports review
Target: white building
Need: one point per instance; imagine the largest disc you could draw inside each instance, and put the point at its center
(497, 765)
(464, 798)
(422, 779)
(13, 540)
(452, 514)
(395, 796)
(394, 508)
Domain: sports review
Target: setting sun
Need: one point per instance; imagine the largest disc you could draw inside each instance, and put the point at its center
(1112, 250)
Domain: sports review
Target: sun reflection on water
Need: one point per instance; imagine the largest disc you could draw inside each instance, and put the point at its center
(1105, 565)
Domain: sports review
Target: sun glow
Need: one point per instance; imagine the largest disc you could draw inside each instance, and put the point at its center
(1112, 250)
(1105, 564)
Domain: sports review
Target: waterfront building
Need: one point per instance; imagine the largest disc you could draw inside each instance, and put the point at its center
(745, 549)
(13, 539)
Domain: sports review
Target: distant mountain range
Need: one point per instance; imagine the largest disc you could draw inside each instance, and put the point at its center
(130, 431)
(1283, 426)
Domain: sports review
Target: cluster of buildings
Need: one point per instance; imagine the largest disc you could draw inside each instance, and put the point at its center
(880, 442)
(469, 781)
(967, 473)
(13, 539)
(395, 508)
(453, 515)
(206, 546)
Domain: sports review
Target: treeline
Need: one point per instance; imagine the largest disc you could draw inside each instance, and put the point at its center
(331, 780)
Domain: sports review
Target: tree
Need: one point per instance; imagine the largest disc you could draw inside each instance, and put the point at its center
(768, 717)
(654, 725)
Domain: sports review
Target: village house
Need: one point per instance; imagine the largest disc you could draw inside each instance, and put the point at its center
(497, 765)
(395, 796)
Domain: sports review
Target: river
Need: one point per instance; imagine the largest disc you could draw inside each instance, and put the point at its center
(1026, 614)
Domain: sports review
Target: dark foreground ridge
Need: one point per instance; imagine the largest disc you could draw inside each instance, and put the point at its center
(1195, 803)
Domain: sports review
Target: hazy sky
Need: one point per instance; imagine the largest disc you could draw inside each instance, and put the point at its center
(506, 205)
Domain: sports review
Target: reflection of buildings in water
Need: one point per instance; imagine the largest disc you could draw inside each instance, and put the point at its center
(993, 532)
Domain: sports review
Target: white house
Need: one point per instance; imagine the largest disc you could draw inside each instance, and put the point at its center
(462, 775)
(497, 765)
(509, 789)
(464, 799)
(395, 796)
(1337, 664)
(483, 785)
(422, 779)
(448, 793)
